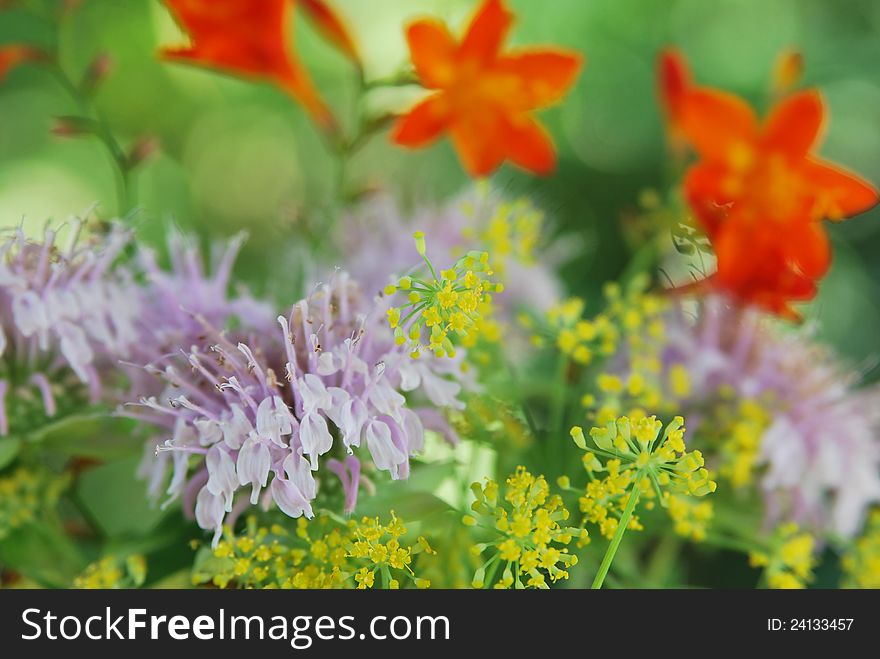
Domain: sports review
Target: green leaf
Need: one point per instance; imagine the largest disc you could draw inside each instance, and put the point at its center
(410, 507)
(427, 477)
(42, 553)
(9, 448)
(116, 500)
(98, 436)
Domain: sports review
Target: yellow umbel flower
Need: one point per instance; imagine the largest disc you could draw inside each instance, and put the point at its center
(637, 445)
(456, 304)
(528, 546)
(637, 457)
(322, 553)
(513, 232)
(788, 560)
(639, 462)
(861, 562)
(580, 340)
(112, 572)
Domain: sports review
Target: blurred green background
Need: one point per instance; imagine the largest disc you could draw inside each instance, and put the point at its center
(236, 155)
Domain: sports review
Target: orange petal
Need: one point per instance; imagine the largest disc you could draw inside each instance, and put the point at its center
(839, 193)
(674, 81)
(758, 264)
(486, 32)
(423, 124)
(433, 52)
(332, 27)
(545, 75)
(704, 190)
(236, 35)
(736, 251)
(809, 250)
(714, 122)
(529, 145)
(247, 39)
(480, 140)
(793, 124)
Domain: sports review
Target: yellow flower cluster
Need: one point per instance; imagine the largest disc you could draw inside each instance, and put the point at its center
(377, 549)
(638, 445)
(788, 563)
(640, 462)
(861, 563)
(577, 338)
(633, 325)
(25, 495)
(739, 436)
(321, 553)
(111, 572)
(690, 517)
(529, 543)
(639, 317)
(451, 304)
(512, 232)
(603, 500)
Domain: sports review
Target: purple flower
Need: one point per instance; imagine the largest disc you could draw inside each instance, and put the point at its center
(65, 315)
(179, 302)
(263, 414)
(821, 450)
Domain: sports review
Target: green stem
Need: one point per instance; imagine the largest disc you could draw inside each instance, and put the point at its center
(491, 568)
(102, 131)
(524, 403)
(401, 79)
(618, 535)
(555, 430)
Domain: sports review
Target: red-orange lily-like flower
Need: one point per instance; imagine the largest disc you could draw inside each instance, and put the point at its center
(484, 97)
(757, 188)
(251, 38)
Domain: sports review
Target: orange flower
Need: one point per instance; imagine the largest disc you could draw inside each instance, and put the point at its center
(758, 190)
(333, 29)
(250, 38)
(485, 98)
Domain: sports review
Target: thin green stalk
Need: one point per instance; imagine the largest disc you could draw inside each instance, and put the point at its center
(618, 535)
(102, 132)
(491, 568)
(524, 405)
(558, 409)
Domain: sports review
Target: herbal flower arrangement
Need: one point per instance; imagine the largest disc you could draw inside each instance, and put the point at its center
(351, 317)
